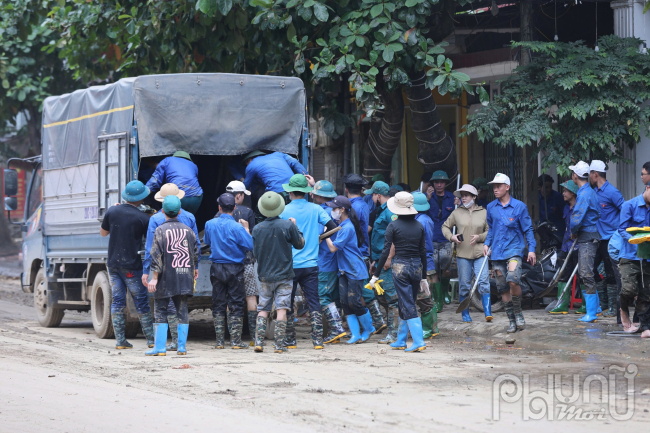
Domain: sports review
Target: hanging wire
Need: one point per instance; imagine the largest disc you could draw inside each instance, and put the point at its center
(596, 47)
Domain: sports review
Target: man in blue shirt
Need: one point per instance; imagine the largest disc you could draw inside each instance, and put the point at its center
(185, 217)
(610, 200)
(441, 206)
(551, 203)
(585, 215)
(510, 227)
(229, 241)
(271, 170)
(428, 312)
(309, 218)
(328, 281)
(179, 170)
(635, 273)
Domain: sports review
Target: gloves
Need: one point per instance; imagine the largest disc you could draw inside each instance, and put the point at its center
(374, 282)
(424, 287)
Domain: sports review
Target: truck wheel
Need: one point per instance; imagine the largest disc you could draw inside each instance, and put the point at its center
(100, 306)
(47, 316)
(477, 302)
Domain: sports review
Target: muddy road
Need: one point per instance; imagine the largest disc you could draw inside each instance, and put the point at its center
(67, 380)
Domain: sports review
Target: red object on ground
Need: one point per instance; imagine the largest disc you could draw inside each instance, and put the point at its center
(574, 300)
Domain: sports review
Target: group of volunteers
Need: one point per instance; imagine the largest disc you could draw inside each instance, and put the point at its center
(352, 253)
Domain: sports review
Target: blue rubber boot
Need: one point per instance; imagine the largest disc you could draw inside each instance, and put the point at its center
(402, 335)
(368, 328)
(465, 312)
(487, 307)
(415, 326)
(183, 329)
(160, 335)
(353, 324)
(592, 308)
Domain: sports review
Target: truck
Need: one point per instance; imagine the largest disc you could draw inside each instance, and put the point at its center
(96, 140)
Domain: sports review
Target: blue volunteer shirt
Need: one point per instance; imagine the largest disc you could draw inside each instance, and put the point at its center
(369, 202)
(426, 222)
(363, 213)
(586, 211)
(567, 241)
(309, 218)
(184, 217)
(615, 246)
(555, 207)
(611, 201)
(326, 259)
(272, 171)
(509, 228)
(439, 214)
(227, 239)
(179, 171)
(348, 256)
(634, 213)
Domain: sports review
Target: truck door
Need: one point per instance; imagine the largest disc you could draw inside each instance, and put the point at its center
(112, 170)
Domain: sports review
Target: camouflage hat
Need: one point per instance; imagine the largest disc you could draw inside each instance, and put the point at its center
(439, 175)
(324, 188)
(571, 186)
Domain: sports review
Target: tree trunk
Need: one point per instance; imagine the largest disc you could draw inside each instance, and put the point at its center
(384, 136)
(436, 150)
(526, 28)
(7, 246)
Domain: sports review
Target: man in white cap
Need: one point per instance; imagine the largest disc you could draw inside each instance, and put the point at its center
(241, 212)
(185, 217)
(509, 223)
(610, 201)
(584, 217)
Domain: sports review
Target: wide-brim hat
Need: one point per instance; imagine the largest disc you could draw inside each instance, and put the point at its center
(182, 154)
(401, 204)
(481, 183)
(167, 190)
(571, 186)
(420, 202)
(271, 204)
(439, 175)
(253, 154)
(135, 191)
(325, 189)
(466, 188)
(298, 182)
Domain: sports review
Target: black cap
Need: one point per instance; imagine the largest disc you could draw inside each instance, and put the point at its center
(340, 201)
(226, 200)
(354, 179)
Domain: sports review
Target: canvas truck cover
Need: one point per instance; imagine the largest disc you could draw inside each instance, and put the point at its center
(218, 114)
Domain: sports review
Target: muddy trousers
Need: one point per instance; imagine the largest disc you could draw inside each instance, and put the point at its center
(350, 296)
(586, 257)
(228, 289)
(617, 276)
(161, 309)
(635, 279)
(407, 273)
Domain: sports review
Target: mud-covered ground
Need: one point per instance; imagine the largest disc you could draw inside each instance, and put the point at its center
(65, 379)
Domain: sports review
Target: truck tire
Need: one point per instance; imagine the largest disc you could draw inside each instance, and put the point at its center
(47, 316)
(476, 302)
(100, 305)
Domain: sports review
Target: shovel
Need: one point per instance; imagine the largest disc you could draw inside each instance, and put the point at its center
(463, 305)
(328, 234)
(556, 279)
(568, 282)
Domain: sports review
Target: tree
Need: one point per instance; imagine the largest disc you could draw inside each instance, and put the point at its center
(28, 74)
(575, 102)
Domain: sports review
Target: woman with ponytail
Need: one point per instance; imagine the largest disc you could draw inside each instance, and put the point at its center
(351, 267)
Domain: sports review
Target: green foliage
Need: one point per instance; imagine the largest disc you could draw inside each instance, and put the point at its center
(576, 103)
(27, 74)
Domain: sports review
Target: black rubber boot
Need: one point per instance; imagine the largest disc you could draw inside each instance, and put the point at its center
(519, 315)
(510, 311)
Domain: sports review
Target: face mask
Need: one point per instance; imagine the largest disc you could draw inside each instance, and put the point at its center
(468, 205)
(336, 214)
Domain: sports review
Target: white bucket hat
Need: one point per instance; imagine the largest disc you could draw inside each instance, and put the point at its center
(581, 169)
(401, 204)
(236, 187)
(466, 188)
(168, 189)
(501, 178)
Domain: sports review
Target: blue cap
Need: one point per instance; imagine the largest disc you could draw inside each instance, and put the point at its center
(171, 205)
(420, 202)
(226, 200)
(135, 191)
(340, 201)
(378, 187)
(324, 188)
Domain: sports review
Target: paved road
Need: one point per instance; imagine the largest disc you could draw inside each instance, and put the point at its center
(67, 380)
